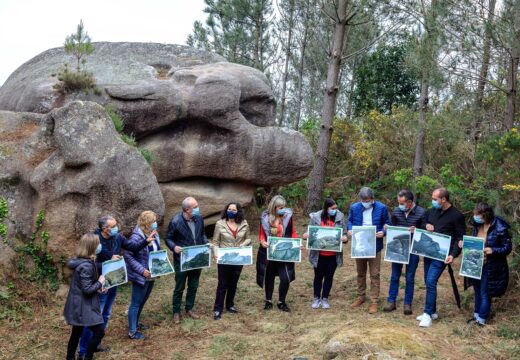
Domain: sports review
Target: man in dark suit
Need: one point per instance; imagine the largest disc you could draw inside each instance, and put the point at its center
(185, 229)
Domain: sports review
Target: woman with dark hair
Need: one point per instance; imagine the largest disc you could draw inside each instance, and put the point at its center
(495, 273)
(230, 231)
(325, 262)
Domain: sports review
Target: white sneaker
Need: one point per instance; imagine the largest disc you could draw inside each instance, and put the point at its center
(426, 321)
(325, 303)
(316, 303)
(433, 316)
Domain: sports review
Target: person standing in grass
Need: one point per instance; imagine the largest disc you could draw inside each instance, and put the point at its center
(232, 230)
(143, 240)
(409, 215)
(275, 221)
(368, 212)
(325, 262)
(495, 273)
(82, 307)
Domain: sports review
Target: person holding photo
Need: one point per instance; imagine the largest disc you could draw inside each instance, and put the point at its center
(232, 230)
(275, 221)
(82, 306)
(410, 215)
(325, 262)
(495, 273)
(442, 218)
(185, 229)
(143, 240)
(111, 241)
(368, 212)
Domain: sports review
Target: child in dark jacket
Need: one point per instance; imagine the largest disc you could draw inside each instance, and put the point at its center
(82, 307)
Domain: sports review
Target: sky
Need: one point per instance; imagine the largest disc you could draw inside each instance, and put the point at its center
(29, 27)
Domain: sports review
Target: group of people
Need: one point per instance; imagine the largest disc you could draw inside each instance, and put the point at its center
(89, 305)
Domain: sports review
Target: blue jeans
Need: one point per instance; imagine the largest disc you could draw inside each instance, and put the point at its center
(410, 280)
(105, 301)
(482, 299)
(139, 296)
(432, 272)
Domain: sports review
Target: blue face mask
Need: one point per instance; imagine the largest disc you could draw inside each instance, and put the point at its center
(154, 226)
(231, 214)
(403, 208)
(367, 205)
(281, 212)
(196, 211)
(332, 212)
(114, 231)
(98, 249)
(435, 204)
(478, 219)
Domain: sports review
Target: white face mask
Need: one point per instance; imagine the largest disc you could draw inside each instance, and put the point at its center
(99, 248)
(367, 205)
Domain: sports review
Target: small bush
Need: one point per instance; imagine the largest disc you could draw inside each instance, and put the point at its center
(75, 81)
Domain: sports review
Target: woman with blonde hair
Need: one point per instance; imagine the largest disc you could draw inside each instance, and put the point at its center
(275, 221)
(82, 308)
(144, 239)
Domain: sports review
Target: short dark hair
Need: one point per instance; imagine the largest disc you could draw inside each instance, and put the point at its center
(443, 193)
(486, 211)
(240, 213)
(103, 220)
(326, 205)
(407, 194)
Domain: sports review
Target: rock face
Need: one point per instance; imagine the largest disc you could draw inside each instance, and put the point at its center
(208, 123)
(72, 163)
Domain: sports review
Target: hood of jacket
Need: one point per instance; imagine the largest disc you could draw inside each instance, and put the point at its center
(75, 262)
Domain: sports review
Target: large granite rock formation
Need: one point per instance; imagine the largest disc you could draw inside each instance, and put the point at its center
(208, 123)
(72, 163)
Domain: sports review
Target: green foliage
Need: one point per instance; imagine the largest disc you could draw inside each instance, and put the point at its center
(119, 124)
(79, 45)
(71, 81)
(384, 81)
(4, 211)
(508, 332)
(45, 270)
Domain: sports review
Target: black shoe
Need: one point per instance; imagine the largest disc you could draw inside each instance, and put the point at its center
(217, 315)
(81, 357)
(283, 306)
(268, 305)
(469, 321)
(232, 310)
(102, 349)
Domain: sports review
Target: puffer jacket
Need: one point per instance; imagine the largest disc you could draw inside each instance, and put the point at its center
(339, 221)
(136, 255)
(223, 237)
(82, 307)
(499, 240)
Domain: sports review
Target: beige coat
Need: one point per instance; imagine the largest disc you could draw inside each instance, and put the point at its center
(222, 236)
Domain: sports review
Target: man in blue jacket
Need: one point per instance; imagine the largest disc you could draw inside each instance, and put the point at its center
(185, 229)
(111, 242)
(368, 212)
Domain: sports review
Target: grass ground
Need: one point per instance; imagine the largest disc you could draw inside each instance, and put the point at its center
(34, 328)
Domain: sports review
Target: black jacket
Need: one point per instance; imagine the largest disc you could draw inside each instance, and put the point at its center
(415, 217)
(82, 306)
(499, 240)
(448, 222)
(179, 234)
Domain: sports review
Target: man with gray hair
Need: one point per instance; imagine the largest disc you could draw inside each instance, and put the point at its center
(368, 212)
(185, 229)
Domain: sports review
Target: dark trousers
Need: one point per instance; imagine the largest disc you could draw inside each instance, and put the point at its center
(97, 335)
(140, 295)
(228, 276)
(323, 275)
(482, 299)
(275, 268)
(397, 269)
(192, 277)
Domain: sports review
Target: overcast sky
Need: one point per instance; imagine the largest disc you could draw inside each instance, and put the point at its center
(29, 27)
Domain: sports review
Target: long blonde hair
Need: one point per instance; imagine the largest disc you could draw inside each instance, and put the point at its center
(87, 246)
(276, 201)
(145, 221)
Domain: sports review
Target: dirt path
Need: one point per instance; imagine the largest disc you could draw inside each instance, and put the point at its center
(258, 334)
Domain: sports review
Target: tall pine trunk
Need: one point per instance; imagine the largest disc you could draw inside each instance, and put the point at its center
(423, 108)
(512, 75)
(317, 179)
(286, 65)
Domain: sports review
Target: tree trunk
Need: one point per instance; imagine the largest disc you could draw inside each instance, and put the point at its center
(350, 102)
(317, 179)
(512, 83)
(483, 72)
(301, 65)
(286, 65)
(423, 108)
